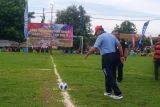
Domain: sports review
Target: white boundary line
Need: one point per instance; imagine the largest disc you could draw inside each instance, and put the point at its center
(66, 96)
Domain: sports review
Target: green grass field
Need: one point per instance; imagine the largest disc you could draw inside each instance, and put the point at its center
(28, 80)
(86, 81)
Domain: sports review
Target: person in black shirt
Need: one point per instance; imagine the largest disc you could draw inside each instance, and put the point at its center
(125, 51)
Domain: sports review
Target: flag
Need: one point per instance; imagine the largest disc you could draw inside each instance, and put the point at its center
(26, 20)
(143, 33)
(144, 28)
(140, 43)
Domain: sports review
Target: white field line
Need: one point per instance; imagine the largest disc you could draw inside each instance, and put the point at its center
(66, 96)
(43, 69)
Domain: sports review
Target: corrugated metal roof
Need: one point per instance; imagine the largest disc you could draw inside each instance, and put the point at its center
(7, 43)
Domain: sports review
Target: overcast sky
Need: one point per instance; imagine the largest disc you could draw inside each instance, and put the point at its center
(107, 9)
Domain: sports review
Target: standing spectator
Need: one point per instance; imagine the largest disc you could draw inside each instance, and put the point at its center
(106, 43)
(157, 58)
(125, 51)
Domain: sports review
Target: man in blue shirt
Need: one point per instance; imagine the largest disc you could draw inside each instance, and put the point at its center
(107, 43)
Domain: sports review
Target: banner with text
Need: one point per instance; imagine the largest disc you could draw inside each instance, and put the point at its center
(44, 35)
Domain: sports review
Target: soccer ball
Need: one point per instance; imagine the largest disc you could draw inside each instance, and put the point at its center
(63, 86)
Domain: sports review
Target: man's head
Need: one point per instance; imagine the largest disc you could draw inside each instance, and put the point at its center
(116, 33)
(99, 30)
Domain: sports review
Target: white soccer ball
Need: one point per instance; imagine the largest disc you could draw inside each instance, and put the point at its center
(63, 86)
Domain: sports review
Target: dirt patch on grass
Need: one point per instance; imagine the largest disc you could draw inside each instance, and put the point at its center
(50, 95)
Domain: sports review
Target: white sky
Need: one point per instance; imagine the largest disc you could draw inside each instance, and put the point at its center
(108, 9)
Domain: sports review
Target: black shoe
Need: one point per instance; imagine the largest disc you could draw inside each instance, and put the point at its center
(119, 80)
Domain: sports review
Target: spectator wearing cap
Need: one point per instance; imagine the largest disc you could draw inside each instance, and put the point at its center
(156, 58)
(119, 66)
(106, 43)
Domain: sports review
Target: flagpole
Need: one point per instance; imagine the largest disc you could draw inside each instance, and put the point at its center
(26, 23)
(52, 14)
(151, 41)
(27, 29)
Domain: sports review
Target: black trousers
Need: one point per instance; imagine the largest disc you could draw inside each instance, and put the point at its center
(109, 62)
(156, 68)
(120, 70)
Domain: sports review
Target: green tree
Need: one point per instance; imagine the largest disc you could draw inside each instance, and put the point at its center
(12, 19)
(77, 17)
(116, 28)
(146, 42)
(30, 16)
(126, 27)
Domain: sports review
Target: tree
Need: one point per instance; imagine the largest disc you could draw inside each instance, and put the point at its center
(146, 42)
(117, 28)
(76, 16)
(126, 27)
(12, 19)
(30, 16)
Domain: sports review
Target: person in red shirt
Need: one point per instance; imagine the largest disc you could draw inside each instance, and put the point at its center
(157, 57)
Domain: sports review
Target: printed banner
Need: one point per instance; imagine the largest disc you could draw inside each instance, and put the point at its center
(144, 28)
(43, 35)
(143, 33)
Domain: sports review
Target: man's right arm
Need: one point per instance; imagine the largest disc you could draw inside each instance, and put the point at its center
(91, 51)
(95, 47)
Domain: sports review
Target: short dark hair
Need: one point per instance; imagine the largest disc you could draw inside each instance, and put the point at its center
(159, 35)
(116, 31)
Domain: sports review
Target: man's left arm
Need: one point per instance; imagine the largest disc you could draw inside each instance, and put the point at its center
(125, 53)
(121, 53)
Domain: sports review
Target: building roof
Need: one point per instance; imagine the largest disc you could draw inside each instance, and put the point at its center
(7, 43)
(130, 36)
